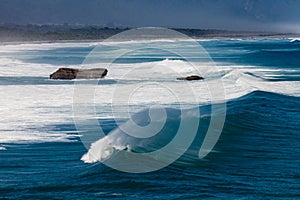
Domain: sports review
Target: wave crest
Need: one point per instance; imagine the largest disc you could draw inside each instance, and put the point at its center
(253, 106)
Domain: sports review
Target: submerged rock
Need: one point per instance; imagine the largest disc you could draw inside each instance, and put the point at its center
(70, 73)
(191, 78)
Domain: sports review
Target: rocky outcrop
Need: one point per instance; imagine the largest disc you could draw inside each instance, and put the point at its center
(70, 73)
(191, 78)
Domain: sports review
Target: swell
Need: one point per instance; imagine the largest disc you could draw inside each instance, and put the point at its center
(257, 122)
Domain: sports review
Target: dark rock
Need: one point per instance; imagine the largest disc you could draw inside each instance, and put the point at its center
(191, 78)
(70, 73)
(64, 73)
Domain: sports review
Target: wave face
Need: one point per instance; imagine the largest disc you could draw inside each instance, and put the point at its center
(257, 114)
(255, 157)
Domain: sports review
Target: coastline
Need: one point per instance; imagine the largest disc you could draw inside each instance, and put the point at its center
(47, 41)
(15, 34)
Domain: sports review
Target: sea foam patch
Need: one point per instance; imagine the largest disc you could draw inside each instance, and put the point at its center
(28, 107)
(2, 148)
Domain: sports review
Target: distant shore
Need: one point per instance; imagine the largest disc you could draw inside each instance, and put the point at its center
(67, 33)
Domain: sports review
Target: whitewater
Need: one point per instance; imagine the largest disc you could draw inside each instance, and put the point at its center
(30, 100)
(48, 140)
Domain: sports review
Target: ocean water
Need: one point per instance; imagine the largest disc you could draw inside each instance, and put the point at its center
(49, 152)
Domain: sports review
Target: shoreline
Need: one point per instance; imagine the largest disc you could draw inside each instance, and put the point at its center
(47, 41)
(22, 34)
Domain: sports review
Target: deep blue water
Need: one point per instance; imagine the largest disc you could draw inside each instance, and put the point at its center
(256, 157)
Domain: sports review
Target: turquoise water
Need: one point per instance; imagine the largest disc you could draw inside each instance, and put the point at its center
(256, 156)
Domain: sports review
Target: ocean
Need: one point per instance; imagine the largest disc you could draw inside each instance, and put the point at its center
(61, 141)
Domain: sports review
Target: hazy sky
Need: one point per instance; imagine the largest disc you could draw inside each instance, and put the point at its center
(256, 15)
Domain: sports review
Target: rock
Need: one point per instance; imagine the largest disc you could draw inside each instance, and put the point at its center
(70, 73)
(91, 73)
(64, 73)
(191, 78)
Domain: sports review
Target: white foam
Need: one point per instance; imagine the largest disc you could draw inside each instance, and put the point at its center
(21, 137)
(27, 109)
(11, 48)
(100, 150)
(2, 148)
(294, 39)
(13, 67)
